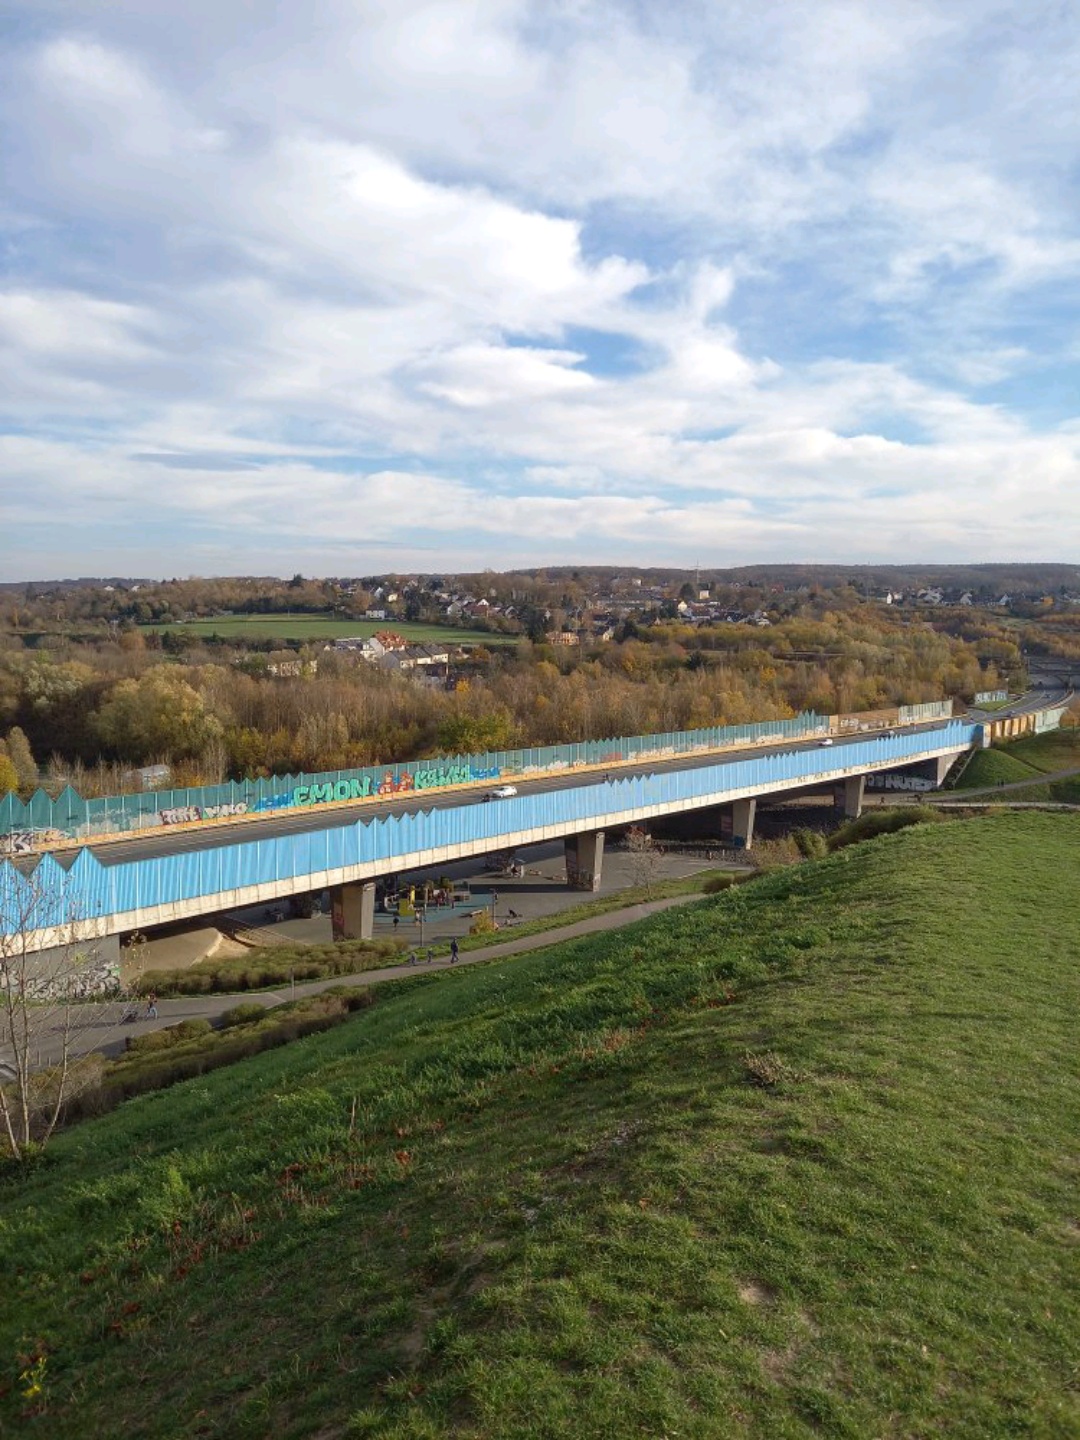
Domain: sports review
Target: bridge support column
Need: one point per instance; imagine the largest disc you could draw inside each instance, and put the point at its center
(849, 796)
(942, 765)
(585, 860)
(352, 909)
(742, 823)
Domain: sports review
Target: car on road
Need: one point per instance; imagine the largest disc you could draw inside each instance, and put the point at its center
(826, 741)
(502, 792)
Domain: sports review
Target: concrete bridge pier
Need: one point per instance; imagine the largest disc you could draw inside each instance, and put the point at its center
(742, 823)
(849, 796)
(941, 767)
(352, 910)
(585, 860)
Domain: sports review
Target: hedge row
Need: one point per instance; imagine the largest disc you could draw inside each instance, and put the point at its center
(180, 1052)
(269, 967)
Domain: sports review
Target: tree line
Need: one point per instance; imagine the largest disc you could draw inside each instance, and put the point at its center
(86, 713)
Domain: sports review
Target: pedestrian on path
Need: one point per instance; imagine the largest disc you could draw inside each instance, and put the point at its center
(453, 951)
(430, 955)
(412, 957)
(151, 1006)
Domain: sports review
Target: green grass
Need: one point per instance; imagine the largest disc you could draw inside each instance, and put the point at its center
(994, 767)
(1057, 792)
(1027, 759)
(797, 1160)
(1056, 750)
(326, 627)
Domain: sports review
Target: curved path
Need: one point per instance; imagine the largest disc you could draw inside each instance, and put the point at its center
(961, 796)
(98, 1027)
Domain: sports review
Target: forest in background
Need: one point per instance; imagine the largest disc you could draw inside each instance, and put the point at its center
(85, 695)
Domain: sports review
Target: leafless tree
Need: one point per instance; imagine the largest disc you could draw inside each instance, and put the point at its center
(644, 857)
(50, 1001)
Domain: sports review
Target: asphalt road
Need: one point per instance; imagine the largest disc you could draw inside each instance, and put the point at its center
(161, 842)
(1024, 705)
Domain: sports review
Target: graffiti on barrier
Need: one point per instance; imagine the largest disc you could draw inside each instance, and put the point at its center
(329, 792)
(898, 782)
(188, 814)
(362, 787)
(25, 842)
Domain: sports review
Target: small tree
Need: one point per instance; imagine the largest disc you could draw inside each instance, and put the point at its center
(9, 779)
(48, 1005)
(22, 757)
(644, 858)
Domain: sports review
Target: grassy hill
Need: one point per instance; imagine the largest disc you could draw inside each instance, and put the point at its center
(1031, 758)
(798, 1160)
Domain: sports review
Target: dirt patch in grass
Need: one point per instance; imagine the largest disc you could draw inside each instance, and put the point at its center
(755, 1292)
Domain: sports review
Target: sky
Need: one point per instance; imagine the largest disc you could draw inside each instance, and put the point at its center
(352, 287)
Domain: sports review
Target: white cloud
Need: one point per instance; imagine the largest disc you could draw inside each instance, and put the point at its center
(72, 326)
(559, 275)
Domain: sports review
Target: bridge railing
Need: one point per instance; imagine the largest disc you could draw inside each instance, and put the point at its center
(385, 843)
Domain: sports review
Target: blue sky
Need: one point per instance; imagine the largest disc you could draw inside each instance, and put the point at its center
(349, 286)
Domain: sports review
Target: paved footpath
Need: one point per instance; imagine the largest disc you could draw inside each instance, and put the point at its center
(960, 797)
(98, 1027)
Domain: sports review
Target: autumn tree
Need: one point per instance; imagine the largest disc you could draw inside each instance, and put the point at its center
(22, 758)
(9, 779)
(160, 714)
(476, 733)
(56, 701)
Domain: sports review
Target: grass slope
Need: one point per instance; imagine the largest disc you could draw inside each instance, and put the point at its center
(1028, 759)
(328, 627)
(1057, 750)
(552, 1196)
(995, 767)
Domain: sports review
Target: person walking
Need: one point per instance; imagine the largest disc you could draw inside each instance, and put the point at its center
(412, 957)
(430, 955)
(151, 1006)
(397, 921)
(453, 951)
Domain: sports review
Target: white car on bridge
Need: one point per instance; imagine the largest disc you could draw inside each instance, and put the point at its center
(501, 792)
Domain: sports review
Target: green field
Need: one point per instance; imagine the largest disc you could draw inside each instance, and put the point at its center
(795, 1161)
(326, 627)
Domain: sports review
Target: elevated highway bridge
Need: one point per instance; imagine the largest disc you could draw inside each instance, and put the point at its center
(131, 882)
